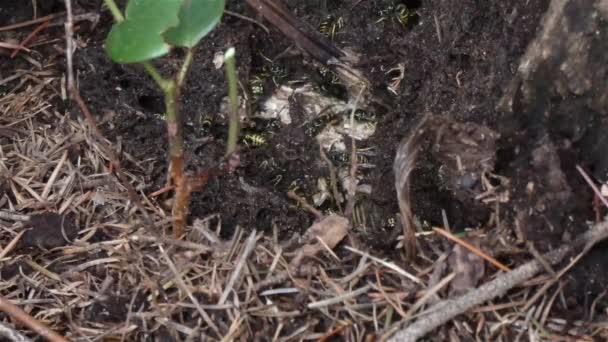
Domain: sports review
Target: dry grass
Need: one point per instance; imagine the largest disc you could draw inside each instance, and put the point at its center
(120, 281)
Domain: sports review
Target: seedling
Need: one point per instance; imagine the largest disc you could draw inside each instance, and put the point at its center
(148, 30)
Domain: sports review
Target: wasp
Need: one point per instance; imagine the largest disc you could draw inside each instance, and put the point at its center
(403, 15)
(329, 76)
(338, 157)
(276, 72)
(399, 13)
(316, 125)
(329, 82)
(256, 86)
(361, 115)
(330, 26)
(205, 124)
(254, 139)
(272, 126)
(360, 215)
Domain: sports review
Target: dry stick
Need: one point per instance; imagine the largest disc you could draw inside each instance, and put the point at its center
(69, 42)
(12, 334)
(22, 317)
(555, 279)
(246, 18)
(30, 37)
(444, 311)
(133, 196)
(472, 249)
(305, 205)
(182, 285)
(9, 215)
(597, 191)
(249, 247)
(30, 22)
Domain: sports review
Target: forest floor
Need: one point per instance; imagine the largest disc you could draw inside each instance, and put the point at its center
(76, 255)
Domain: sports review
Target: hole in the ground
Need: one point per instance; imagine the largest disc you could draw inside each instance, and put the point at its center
(412, 4)
(124, 84)
(150, 103)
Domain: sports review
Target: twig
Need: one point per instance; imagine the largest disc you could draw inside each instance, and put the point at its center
(182, 285)
(305, 204)
(472, 249)
(133, 196)
(249, 247)
(246, 18)
(69, 42)
(429, 293)
(339, 299)
(388, 265)
(22, 317)
(555, 279)
(29, 37)
(444, 311)
(31, 22)
(12, 334)
(53, 178)
(597, 191)
(9, 215)
(11, 245)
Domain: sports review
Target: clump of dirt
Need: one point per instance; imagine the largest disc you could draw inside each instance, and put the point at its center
(49, 230)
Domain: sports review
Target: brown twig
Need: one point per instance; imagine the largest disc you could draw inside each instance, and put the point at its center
(31, 22)
(472, 249)
(443, 312)
(22, 317)
(30, 37)
(246, 18)
(592, 185)
(305, 204)
(115, 162)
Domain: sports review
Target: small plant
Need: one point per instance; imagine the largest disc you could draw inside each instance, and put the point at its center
(148, 30)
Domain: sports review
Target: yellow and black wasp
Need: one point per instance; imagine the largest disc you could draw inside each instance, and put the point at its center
(254, 139)
(256, 87)
(396, 12)
(330, 26)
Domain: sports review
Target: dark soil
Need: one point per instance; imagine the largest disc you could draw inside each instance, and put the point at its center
(459, 59)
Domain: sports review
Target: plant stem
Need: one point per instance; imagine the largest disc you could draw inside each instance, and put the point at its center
(176, 157)
(171, 89)
(233, 128)
(116, 13)
(162, 82)
(181, 77)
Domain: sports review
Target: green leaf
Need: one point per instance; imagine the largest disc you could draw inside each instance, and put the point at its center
(139, 37)
(196, 19)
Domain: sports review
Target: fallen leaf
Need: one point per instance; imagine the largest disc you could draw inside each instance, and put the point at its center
(331, 230)
(469, 269)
